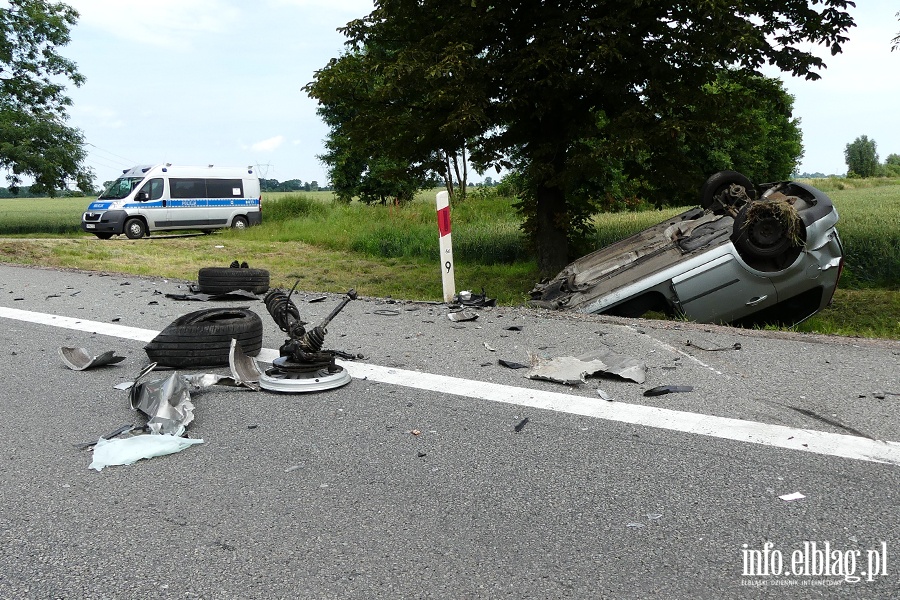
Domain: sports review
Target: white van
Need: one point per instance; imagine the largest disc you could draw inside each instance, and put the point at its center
(165, 198)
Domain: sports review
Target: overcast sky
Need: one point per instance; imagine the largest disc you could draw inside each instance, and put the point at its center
(201, 82)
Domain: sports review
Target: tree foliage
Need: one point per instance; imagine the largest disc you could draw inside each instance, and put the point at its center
(35, 140)
(861, 157)
(580, 97)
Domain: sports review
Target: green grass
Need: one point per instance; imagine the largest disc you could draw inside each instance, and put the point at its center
(393, 250)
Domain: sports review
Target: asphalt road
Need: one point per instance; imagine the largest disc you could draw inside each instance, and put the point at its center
(334, 494)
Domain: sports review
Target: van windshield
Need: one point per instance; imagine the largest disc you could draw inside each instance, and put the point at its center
(120, 188)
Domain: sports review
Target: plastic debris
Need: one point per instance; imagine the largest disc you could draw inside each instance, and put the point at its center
(511, 365)
(792, 497)
(126, 451)
(570, 370)
(463, 315)
(78, 359)
(735, 346)
(467, 298)
(521, 425)
(668, 389)
(489, 347)
(603, 395)
(198, 296)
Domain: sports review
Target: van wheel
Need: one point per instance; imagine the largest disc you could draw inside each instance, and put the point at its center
(203, 338)
(221, 280)
(103, 236)
(135, 229)
(239, 223)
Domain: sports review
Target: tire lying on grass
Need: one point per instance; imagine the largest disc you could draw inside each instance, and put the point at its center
(221, 280)
(203, 338)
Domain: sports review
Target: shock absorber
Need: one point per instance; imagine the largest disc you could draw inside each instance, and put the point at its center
(314, 339)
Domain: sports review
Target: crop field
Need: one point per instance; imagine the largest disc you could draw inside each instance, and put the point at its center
(393, 251)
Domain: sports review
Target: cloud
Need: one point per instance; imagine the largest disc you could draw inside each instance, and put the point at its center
(268, 145)
(166, 23)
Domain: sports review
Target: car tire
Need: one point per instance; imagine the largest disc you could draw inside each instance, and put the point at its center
(104, 236)
(239, 223)
(761, 237)
(203, 338)
(221, 280)
(135, 229)
(718, 181)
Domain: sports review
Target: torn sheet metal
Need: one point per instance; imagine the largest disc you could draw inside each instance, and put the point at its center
(166, 402)
(244, 369)
(571, 370)
(125, 451)
(78, 359)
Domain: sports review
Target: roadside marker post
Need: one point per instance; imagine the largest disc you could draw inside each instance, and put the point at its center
(446, 245)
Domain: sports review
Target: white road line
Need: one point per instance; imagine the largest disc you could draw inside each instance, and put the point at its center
(803, 440)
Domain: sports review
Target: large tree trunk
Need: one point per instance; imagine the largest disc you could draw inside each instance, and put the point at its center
(550, 235)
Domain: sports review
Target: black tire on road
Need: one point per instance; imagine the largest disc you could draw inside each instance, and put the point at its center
(135, 229)
(203, 338)
(718, 181)
(221, 280)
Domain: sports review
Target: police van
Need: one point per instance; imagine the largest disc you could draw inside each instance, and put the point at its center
(165, 198)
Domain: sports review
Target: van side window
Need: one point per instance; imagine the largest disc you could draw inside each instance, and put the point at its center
(224, 188)
(187, 188)
(153, 188)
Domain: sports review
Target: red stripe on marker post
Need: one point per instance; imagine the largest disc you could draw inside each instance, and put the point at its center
(443, 216)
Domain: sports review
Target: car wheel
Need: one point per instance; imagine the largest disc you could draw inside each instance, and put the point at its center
(239, 223)
(203, 338)
(221, 280)
(135, 229)
(761, 233)
(103, 236)
(718, 182)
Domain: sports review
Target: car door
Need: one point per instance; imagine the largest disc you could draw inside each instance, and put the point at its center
(722, 290)
(151, 203)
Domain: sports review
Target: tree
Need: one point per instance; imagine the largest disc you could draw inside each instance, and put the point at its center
(573, 95)
(35, 140)
(895, 43)
(862, 157)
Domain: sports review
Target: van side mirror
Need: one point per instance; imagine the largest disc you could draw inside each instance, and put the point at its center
(142, 196)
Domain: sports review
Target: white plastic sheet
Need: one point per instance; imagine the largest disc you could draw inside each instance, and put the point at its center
(125, 451)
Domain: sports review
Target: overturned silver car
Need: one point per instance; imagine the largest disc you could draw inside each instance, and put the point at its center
(750, 255)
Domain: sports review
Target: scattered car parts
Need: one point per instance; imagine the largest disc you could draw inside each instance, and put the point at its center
(221, 280)
(668, 389)
(571, 370)
(78, 359)
(203, 338)
(750, 255)
(302, 364)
